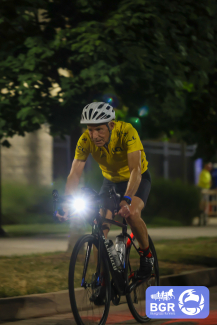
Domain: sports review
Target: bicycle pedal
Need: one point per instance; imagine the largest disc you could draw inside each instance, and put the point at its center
(137, 281)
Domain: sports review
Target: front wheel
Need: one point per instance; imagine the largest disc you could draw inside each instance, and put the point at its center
(89, 292)
(136, 299)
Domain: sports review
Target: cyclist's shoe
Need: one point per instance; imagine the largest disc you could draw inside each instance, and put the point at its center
(146, 267)
(98, 297)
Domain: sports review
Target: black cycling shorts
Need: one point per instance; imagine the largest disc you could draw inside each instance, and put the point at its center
(120, 188)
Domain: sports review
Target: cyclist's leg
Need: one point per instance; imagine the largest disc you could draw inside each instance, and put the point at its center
(106, 226)
(136, 223)
(140, 232)
(107, 204)
(139, 228)
(135, 220)
(104, 212)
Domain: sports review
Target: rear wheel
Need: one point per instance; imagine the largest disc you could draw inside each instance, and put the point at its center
(84, 287)
(136, 299)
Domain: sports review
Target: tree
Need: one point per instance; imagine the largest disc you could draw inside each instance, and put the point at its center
(157, 53)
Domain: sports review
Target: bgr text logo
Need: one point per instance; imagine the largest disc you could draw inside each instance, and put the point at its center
(177, 302)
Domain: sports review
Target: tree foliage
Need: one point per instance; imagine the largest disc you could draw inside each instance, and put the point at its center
(156, 53)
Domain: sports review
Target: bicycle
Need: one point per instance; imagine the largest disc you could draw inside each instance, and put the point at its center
(92, 263)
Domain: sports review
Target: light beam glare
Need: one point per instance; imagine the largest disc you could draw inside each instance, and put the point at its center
(79, 205)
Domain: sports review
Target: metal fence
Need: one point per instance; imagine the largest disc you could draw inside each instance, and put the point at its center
(171, 160)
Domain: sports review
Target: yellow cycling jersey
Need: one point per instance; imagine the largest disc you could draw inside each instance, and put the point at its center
(113, 163)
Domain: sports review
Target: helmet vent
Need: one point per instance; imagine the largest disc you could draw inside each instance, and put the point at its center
(94, 115)
(90, 112)
(100, 116)
(97, 113)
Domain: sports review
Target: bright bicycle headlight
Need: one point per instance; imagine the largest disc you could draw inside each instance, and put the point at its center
(79, 205)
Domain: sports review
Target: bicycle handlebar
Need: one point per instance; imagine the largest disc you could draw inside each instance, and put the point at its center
(87, 193)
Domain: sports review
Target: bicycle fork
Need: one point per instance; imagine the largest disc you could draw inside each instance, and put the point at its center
(87, 257)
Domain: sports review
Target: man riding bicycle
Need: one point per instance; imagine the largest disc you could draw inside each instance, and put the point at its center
(117, 148)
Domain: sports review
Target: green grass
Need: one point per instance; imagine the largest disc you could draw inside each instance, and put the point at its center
(36, 229)
(197, 251)
(22, 230)
(33, 274)
(40, 273)
(42, 229)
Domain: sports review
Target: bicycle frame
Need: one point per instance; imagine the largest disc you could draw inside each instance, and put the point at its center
(118, 276)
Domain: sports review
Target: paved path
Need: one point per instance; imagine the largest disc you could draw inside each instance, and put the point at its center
(29, 245)
(121, 315)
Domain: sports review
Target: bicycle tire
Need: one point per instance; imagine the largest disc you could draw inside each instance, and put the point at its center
(82, 308)
(140, 316)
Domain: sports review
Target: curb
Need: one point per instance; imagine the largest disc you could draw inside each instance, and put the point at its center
(47, 304)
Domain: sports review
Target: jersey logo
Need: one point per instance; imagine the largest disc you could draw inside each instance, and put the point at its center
(117, 149)
(84, 139)
(80, 148)
(132, 139)
(103, 155)
(119, 133)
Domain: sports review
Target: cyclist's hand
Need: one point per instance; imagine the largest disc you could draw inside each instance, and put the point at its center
(65, 216)
(124, 211)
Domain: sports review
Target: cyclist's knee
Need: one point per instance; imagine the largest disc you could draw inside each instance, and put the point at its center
(135, 214)
(106, 213)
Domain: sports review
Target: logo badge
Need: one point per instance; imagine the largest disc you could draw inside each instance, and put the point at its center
(177, 302)
(117, 149)
(190, 295)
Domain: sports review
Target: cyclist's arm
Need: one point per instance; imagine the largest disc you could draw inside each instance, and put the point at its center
(134, 163)
(74, 176)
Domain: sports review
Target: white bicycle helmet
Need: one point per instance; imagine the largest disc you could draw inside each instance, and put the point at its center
(97, 113)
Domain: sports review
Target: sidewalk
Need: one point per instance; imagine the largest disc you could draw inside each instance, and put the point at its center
(53, 243)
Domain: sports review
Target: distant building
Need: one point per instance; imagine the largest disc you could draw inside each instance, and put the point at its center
(29, 159)
(38, 158)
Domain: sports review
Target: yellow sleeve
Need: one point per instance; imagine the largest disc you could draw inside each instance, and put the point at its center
(132, 140)
(83, 147)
